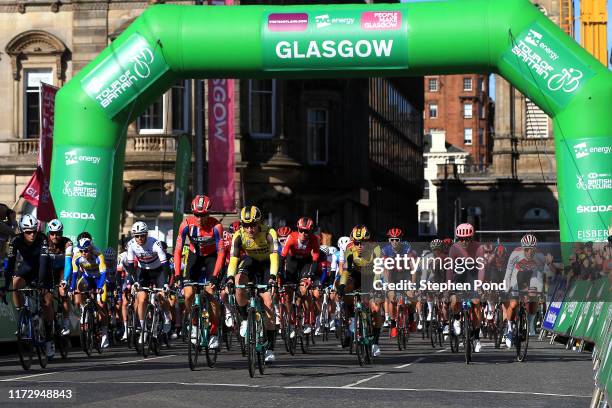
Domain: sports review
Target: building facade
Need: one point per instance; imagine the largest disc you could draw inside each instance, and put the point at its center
(343, 151)
(459, 105)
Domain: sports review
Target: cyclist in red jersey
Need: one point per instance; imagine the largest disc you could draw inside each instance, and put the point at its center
(206, 256)
(300, 255)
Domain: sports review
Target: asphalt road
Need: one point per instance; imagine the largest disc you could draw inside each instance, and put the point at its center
(420, 376)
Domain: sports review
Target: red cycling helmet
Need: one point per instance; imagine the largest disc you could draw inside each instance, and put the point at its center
(283, 231)
(234, 226)
(500, 251)
(464, 230)
(448, 242)
(200, 205)
(305, 223)
(395, 233)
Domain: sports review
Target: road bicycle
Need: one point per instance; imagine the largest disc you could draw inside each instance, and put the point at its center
(152, 334)
(90, 335)
(255, 340)
(402, 322)
(31, 329)
(362, 334)
(62, 342)
(199, 328)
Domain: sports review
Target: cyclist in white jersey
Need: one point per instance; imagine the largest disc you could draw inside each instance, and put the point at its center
(153, 271)
(336, 268)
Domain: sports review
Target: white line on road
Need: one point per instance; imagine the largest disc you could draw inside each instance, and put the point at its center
(79, 368)
(418, 360)
(364, 380)
(320, 387)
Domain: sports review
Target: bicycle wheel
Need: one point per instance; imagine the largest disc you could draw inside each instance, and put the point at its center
(293, 330)
(251, 342)
(433, 326)
(359, 341)
(193, 348)
(400, 330)
(368, 337)
(522, 336)
(25, 346)
(305, 343)
(261, 355)
(211, 353)
(285, 329)
(156, 334)
(62, 342)
(185, 328)
(406, 333)
(467, 337)
(498, 327)
(96, 335)
(89, 331)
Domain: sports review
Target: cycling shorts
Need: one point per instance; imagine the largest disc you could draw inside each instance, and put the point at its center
(200, 268)
(152, 277)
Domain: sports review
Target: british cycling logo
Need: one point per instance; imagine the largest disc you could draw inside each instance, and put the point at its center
(595, 181)
(72, 158)
(80, 188)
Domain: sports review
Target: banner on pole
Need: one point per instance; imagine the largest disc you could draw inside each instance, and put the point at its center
(183, 167)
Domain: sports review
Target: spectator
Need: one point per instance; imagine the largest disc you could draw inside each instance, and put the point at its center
(8, 222)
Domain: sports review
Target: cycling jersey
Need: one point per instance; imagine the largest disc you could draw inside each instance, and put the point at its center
(355, 263)
(459, 254)
(204, 240)
(33, 257)
(295, 248)
(522, 273)
(94, 267)
(60, 255)
(262, 247)
(151, 255)
(432, 268)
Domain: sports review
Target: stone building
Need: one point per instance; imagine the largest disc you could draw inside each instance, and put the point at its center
(344, 151)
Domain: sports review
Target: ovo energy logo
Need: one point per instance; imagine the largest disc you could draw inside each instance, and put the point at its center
(581, 150)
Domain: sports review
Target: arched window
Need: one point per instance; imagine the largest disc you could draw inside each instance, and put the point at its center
(537, 214)
(154, 199)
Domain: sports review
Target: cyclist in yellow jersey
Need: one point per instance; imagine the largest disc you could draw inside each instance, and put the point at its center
(357, 261)
(259, 265)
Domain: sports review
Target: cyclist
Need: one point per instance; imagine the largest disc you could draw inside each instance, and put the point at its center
(259, 264)
(357, 261)
(60, 257)
(283, 234)
(153, 270)
(300, 256)
(335, 267)
(464, 249)
(495, 272)
(395, 247)
(205, 259)
(126, 282)
(32, 248)
(525, 270)
(432, 270)
(89, 275)
(113, 286)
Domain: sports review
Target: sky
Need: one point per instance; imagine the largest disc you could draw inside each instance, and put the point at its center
(576, 30)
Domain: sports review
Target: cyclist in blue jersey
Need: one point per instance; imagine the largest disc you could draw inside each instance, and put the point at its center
(60, 258)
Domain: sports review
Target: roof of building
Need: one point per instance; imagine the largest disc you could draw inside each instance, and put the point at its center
(450, 148)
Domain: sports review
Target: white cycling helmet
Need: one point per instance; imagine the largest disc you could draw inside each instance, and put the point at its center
(343, 242)
(28, 223)
(139, 227)
(332, 250)
(529, 241)
(55, 226)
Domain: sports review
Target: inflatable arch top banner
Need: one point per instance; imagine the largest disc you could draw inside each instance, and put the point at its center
(168, 42)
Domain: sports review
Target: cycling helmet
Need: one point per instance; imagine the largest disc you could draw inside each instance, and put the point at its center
(324, 249)
(110, 256)
(464, 230)
(139, 228)
(500, 251)
(360, 233)
(84, 234)
(448, 242)
(55, 226)
(436, 244)
(343, 242)
(28, 223)
(250, 214)
(283, 231)
(200, 205)
(84, 243)
(529, 241)
(305, 223)
(332, 250)
(234, 226)
(395, 233)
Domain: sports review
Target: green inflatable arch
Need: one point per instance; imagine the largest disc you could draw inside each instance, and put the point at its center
(167, 43)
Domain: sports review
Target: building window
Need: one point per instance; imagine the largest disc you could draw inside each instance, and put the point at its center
(152, 120)
(31, 117)
(481, 111)
(262, 108)
(317, 130)
(424, 220)
(433, 85)
(433, 110)
(467, 84)
(536, 121)
(537, 214)
(154, 199)
(467, 136)
(467, 111)
(180, 102)
(481, 136)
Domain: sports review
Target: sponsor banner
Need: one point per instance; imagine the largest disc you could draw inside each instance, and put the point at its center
(124, 74)
(335, 39)
(221, 185)
(554, 307)
(547, 64)
(582, 318)
(585, 172)
(598, 309)
(181, 179)
(571, 307)
(85, 192)
(603, 377)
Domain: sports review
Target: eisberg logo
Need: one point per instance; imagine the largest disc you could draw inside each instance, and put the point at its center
(381, 20)
(72, 158)
(77, 215)
(288, 22)
(581, 209)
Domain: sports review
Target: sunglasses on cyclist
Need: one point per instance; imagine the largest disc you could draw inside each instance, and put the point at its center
(357, 243)
(304, 231)
(51, 233)
(140, 236)
(249, 224)
(29, 232)
(394, 240)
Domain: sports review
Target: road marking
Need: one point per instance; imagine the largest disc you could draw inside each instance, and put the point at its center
(79, 368)
(418, 360)
(364, 380)
(320, 387)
